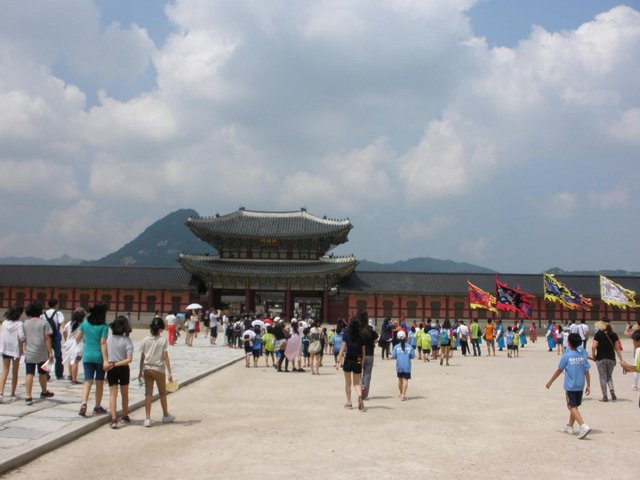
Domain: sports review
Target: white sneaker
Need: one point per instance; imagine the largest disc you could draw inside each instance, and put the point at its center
(147, 422)
(168, 418)
(567, 429)
(584, 431)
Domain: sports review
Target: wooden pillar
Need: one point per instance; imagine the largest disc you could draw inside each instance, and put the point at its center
(249, 299)
(325, 305)
(288, 303)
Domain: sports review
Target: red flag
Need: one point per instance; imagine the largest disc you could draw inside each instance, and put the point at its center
(510, 299)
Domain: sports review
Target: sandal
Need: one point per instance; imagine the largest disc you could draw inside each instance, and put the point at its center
(360, 403)
(604, 399)
(348, 406)
(83, 410)
(99, 410)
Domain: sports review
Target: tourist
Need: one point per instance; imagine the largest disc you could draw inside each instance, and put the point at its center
(192, 325)
(509, 336)
(434, 335)
(426, 344)
(93, 331)
(316, 334)
(214, 321)
(575, 365)
(280, 334)
(336, 340)
(55, 318)
(463, 335)
(257, 345)
(268, 341)
(386, 337)
(170, 321)
(403, 353)
(353, 352)
(119, 356)
(604, 348)
(247, 342)
(446, 334)
(489, 335)
(585, 333)
(475, 337)
(72, 350)
(37, 350)
(500, 335)
(559, 338)
(635, 368)
(154, 367)
(516, 342)
(11, 348)
(369, 337)
(306, 343)
(293, 347)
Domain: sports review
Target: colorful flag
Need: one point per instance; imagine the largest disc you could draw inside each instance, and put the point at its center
(510, 299)
(613, 293)
(478, 298)
(556, 291)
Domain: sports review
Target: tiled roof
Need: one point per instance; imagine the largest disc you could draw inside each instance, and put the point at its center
(89, 276)
(282, 225)
(456, 283)
(207, 265)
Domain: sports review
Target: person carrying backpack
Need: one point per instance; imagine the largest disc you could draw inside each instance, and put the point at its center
(446, 333)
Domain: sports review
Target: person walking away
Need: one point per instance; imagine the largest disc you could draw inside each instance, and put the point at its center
(369, 338)
(426, 344)
(316, 335)
(434, 335)
(463, 335)
(446, 333)
(509, 337)
(475, 337)
(489, 335)
(268, 341)
(386, 337)
(353, 352)
(403, 353)
(170, 321)
(551, 341)
(575, 365)
(585, 333)
(119, 354)
(56, 321)
(37, 350)
(71, 349)
(533, 332)
(336, 340)
(604, 348)
(94, 332)
(154, 367)
(11, 348)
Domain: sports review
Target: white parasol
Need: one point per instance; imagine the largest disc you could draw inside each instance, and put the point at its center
(194, 306)
(257, 322)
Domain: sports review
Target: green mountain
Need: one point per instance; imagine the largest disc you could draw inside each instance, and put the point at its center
(159, 245)
(421, 265)
(612, 273)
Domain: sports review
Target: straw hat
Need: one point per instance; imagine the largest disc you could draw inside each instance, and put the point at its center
(602, 324)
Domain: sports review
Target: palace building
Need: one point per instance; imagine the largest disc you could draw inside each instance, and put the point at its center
(281, 263)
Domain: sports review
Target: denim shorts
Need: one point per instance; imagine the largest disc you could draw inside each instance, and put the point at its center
(31, 368)
(93, 371)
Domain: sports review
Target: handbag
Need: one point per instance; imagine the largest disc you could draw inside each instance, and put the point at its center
(315, 347)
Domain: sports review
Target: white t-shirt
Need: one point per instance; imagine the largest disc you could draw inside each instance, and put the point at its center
(11, 335)
(463, 332)
(213, 320)
(170, 319)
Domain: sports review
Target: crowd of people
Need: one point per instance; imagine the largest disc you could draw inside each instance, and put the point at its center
(49, 343)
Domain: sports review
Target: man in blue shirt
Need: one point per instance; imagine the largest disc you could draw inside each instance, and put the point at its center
(575, 365)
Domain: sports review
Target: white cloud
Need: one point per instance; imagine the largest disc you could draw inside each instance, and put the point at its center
(418, 231)
(556, 206)
(475, 249)
(617, 197)
(362, 109)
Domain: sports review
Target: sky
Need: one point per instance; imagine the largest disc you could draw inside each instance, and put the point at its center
(504, 133)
